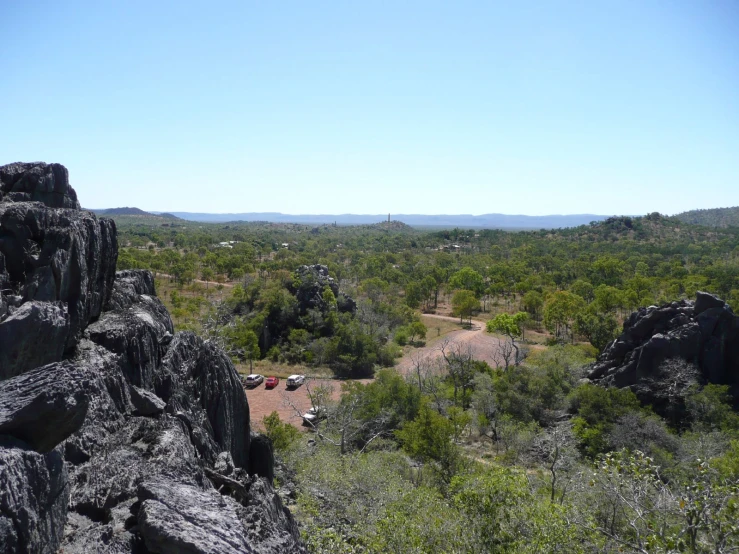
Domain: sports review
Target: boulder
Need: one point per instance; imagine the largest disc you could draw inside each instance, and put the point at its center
(128, 287)
(113, 431)
(177, 518)
(146, 403)
(28, 326)
(665, 350)
(44, 406)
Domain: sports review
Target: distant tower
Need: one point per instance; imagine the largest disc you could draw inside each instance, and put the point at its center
(388, 218)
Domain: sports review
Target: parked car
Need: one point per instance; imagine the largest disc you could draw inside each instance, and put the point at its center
(271, 382)
(253, 380)
(313, 416)
(294, 381)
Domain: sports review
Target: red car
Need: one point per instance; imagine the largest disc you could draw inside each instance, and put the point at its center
(271, 382)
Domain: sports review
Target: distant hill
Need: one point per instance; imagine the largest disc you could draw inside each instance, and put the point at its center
(124, 211)
(716, 217)
(485, 221)
(134, 213)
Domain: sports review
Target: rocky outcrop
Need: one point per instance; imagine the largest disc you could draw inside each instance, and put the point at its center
(310, 282)
(116, 434)
(54, 254)
(37, 182)
(34, 492)
(664, 350)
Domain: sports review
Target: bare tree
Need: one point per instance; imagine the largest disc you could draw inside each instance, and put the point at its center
(460, 365)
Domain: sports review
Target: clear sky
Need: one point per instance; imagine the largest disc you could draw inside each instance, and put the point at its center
(622, 107)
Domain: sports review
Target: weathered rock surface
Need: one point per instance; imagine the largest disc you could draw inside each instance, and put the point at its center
(44, 406)
(33, 499)
(115, 434)
(664, 350)
(58, 255)
(198, 379)
(176, 518)
(37, 182)
(28, 326)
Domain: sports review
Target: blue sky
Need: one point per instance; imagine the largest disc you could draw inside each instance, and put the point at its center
(375, 107)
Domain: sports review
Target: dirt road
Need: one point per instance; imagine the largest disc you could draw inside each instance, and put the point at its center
(483, 345)
(263, 402)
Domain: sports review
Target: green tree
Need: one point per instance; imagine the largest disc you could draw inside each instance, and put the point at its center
(464, 302)
(430, 439)
(512, 327)
(560, 312)
(468, 279)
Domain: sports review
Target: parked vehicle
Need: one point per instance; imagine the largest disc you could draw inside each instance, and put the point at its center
(253, 380)
(271, 382)
(312, 417)
(294, 381)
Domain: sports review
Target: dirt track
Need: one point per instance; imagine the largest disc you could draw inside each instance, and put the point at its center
(262, 402)
(482, 344)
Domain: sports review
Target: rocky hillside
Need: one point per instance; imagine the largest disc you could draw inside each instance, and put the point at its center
(115, 434)
(663, 351)
(715, 217)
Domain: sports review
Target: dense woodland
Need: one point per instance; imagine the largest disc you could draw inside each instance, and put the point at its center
(457, 455)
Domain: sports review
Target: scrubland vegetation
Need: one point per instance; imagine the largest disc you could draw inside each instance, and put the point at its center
(458, 455)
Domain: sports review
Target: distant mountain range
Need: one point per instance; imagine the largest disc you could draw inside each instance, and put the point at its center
(716, 217)
(485, 221)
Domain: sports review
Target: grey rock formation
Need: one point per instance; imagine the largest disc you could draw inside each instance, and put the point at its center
(24, 329)
(146, 403)
(115, 434)
(176, 518)
(37, 182)
(311, 280)
(664, 350)
(198, 379)
(34, 492)
(44, 406)
(60, 255)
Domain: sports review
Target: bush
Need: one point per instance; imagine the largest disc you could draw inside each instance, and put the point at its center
(283, 435)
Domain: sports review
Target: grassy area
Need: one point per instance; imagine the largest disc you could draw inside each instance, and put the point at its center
(437, 328)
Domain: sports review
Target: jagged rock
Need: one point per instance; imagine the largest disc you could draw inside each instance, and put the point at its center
(270, 527)
(43, 406)
(37, 182)
(128, 287)
(665, 350)
(176, 518)
(109, 398)
(311, 280)
(146, 403)
(34, 492)
(59, 255)
(140, 334)
(32, 324)
(198, 378)
(128, 482)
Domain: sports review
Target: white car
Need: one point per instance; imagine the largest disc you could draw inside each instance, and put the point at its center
(294, 381)
(312, 417)
(253, 380)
